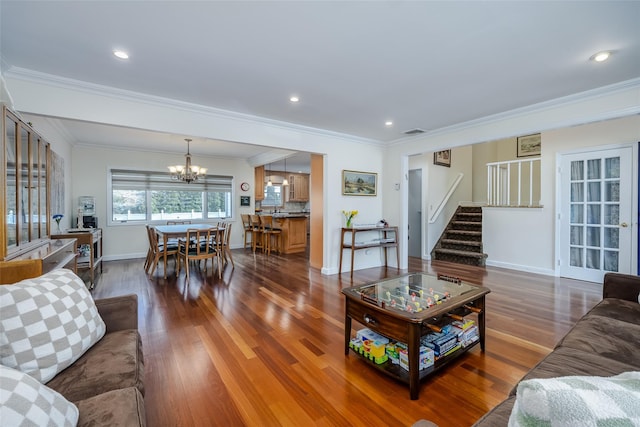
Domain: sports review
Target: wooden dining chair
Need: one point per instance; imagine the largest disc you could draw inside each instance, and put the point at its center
(247, 226)
(200, 244)
(157, 250)
(225, 245)
(257, 238)
(271, 234)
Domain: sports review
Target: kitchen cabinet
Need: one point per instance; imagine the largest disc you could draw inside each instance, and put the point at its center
(298, 188)
(259, 183)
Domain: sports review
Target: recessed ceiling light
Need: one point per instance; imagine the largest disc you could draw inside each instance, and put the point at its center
(294, 99)
(601, 56)
(388, 123)
(121, 54)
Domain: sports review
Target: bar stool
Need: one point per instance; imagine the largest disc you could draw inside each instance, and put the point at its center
(256, 233)
(270, 233)
(248, 229)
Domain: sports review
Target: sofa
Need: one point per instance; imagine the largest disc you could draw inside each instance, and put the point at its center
(597, 359)
(101, 385)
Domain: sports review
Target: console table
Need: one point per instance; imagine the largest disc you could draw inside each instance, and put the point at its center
(42, 258)
(91, 237)
(388, 238)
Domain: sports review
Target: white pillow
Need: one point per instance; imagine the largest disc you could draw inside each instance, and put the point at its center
(578, 401)
(26, 402)
(47, 323)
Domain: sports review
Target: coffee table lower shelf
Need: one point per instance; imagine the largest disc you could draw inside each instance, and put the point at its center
(399, 373)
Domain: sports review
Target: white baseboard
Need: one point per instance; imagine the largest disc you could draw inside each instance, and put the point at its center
(518, 267)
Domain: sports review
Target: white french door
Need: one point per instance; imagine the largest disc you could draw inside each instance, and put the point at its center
(596, 214)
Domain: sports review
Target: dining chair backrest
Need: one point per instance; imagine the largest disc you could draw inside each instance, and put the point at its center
(199, 242)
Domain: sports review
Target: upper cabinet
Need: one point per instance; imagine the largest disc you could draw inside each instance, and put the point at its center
(24, 203)
(259, 183)
(298, 188)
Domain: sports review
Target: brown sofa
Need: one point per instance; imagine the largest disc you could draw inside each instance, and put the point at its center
(107, 382)
(605, 342)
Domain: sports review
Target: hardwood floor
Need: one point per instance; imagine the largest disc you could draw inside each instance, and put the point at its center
(264, 345)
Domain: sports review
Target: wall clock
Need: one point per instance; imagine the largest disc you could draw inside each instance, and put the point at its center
(244, 186)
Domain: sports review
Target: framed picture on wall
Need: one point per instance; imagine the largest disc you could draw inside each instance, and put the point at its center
(529, 145)
(245, 200)
(359, 183)
(442, 158)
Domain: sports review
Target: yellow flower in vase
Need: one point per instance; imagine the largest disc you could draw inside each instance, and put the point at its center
(348, 215)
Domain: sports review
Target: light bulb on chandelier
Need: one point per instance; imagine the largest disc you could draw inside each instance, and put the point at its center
(187, 173)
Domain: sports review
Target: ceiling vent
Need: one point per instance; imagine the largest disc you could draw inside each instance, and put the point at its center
(415, 131)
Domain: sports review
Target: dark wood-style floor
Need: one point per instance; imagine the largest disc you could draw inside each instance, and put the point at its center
(264, 345)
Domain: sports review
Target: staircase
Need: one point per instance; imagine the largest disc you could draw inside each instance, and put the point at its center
(461, 240)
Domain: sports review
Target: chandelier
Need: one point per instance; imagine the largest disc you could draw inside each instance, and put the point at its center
(188, 172)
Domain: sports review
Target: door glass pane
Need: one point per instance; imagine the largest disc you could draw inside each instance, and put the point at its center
(576, 235)
(576, 257)
(593, 236)
(577, 173)
(10, 152)
(577, 216)
(612, 167)
(593, 214)
(593, 259)
(593, 169)
(610, 261)
(611, 236)
(612, 191)
(577, 193)
(611, 214)
(593, 192)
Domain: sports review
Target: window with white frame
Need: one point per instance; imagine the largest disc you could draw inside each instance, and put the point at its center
(142, 196)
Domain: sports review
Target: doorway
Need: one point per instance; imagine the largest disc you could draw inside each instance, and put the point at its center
(596, 213)
(415, 213)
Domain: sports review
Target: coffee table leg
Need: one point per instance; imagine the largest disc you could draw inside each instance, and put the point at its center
(347, 328)
(414, 360)
(481, 320)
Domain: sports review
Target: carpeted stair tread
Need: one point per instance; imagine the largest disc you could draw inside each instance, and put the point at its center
(475, 215)
(464, 232)
(460, 253)
(461, 242)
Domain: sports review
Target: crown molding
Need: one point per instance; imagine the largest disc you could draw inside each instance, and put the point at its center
(37, 77)
(541, 107)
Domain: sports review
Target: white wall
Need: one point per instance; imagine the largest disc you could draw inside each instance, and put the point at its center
(529, 244)
(90, 178)
(84, 102)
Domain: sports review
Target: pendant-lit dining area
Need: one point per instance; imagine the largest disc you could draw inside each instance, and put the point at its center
(189, 244)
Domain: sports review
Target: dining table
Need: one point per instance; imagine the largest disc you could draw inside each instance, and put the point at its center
(177, 231)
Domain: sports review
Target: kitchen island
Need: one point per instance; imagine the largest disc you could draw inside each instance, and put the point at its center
(294, 232)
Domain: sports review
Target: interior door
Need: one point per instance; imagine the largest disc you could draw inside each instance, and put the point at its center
(415, 213)
(596, 214)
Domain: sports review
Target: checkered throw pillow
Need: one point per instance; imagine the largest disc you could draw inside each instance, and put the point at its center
(47, 323)
(26, 402)
(578, 401)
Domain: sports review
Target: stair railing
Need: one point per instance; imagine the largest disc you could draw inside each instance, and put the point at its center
(499, 182)
(446, 198)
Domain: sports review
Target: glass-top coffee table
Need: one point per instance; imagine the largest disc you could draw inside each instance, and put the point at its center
(412, 308)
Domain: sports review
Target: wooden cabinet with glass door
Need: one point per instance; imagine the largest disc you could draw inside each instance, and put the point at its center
(24, 196)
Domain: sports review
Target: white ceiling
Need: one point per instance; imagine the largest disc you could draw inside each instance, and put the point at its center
(354, 64)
